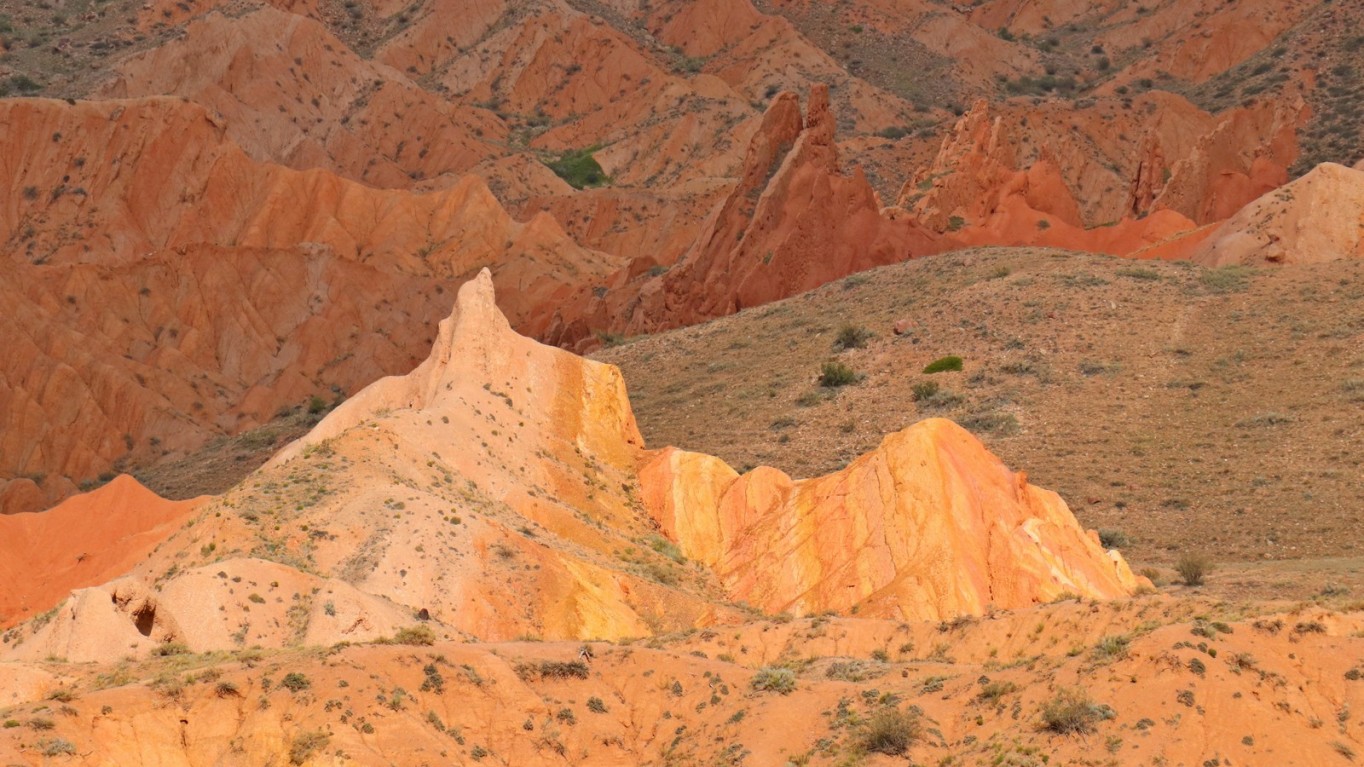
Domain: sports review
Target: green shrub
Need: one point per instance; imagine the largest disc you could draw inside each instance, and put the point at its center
(891, 732)
(551, 669)
(1193, 568)
(295, 682)
(924, 390)
(1113, 539)
(944, 364)
(771, 679)
(1111, 647)
(835, 374)
(57, 747)
(304, 744)
(170, 648)
(595, 705)
(991, 692)
(579, 168)
(851, 337)
(1071, 712)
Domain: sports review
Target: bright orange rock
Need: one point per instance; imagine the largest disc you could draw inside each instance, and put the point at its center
(926, 527)
(84, 541)
(500, 466)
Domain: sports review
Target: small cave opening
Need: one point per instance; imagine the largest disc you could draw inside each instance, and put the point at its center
(144, 619)
(423, 614)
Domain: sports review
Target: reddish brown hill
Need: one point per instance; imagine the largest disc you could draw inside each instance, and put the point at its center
(793, 222)
(325, 107)
(165, 285)
(502, 466)
(86, 540)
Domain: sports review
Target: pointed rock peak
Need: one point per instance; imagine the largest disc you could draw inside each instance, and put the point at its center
(818, 118)
(478, 359)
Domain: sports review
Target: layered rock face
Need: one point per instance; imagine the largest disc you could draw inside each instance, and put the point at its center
(500, 466)
(927, 526)
(164, 287)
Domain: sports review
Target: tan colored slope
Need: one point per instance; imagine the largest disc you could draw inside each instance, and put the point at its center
(82, 542)
(1157, 684)
(500, 466)
(1319, 217)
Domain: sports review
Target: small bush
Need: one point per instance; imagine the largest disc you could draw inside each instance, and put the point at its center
(316, 405)
(851, 337)
(595, 705)
(990, 423)
(414, 635)
(1071, 712)
(1193, 568)
(941, 399)
(991, 692)
(551, 669)
(924, 390)
(950, 363)
(579, 168)
(853, 671)
(835, 374)
(1138, 273)
(770, 679)
(57, 747)
(305, 744)
(1111, 647)
(1113, 539)
(227, 689)
(295, 682)
(891, 732)
(171, 648)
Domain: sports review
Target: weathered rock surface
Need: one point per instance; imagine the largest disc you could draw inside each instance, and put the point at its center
(926, 527)
(84, 541)
(501, 466)
(177, 289)
(1319, 217)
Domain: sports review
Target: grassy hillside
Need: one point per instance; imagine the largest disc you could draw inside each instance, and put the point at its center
(1178, 407)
